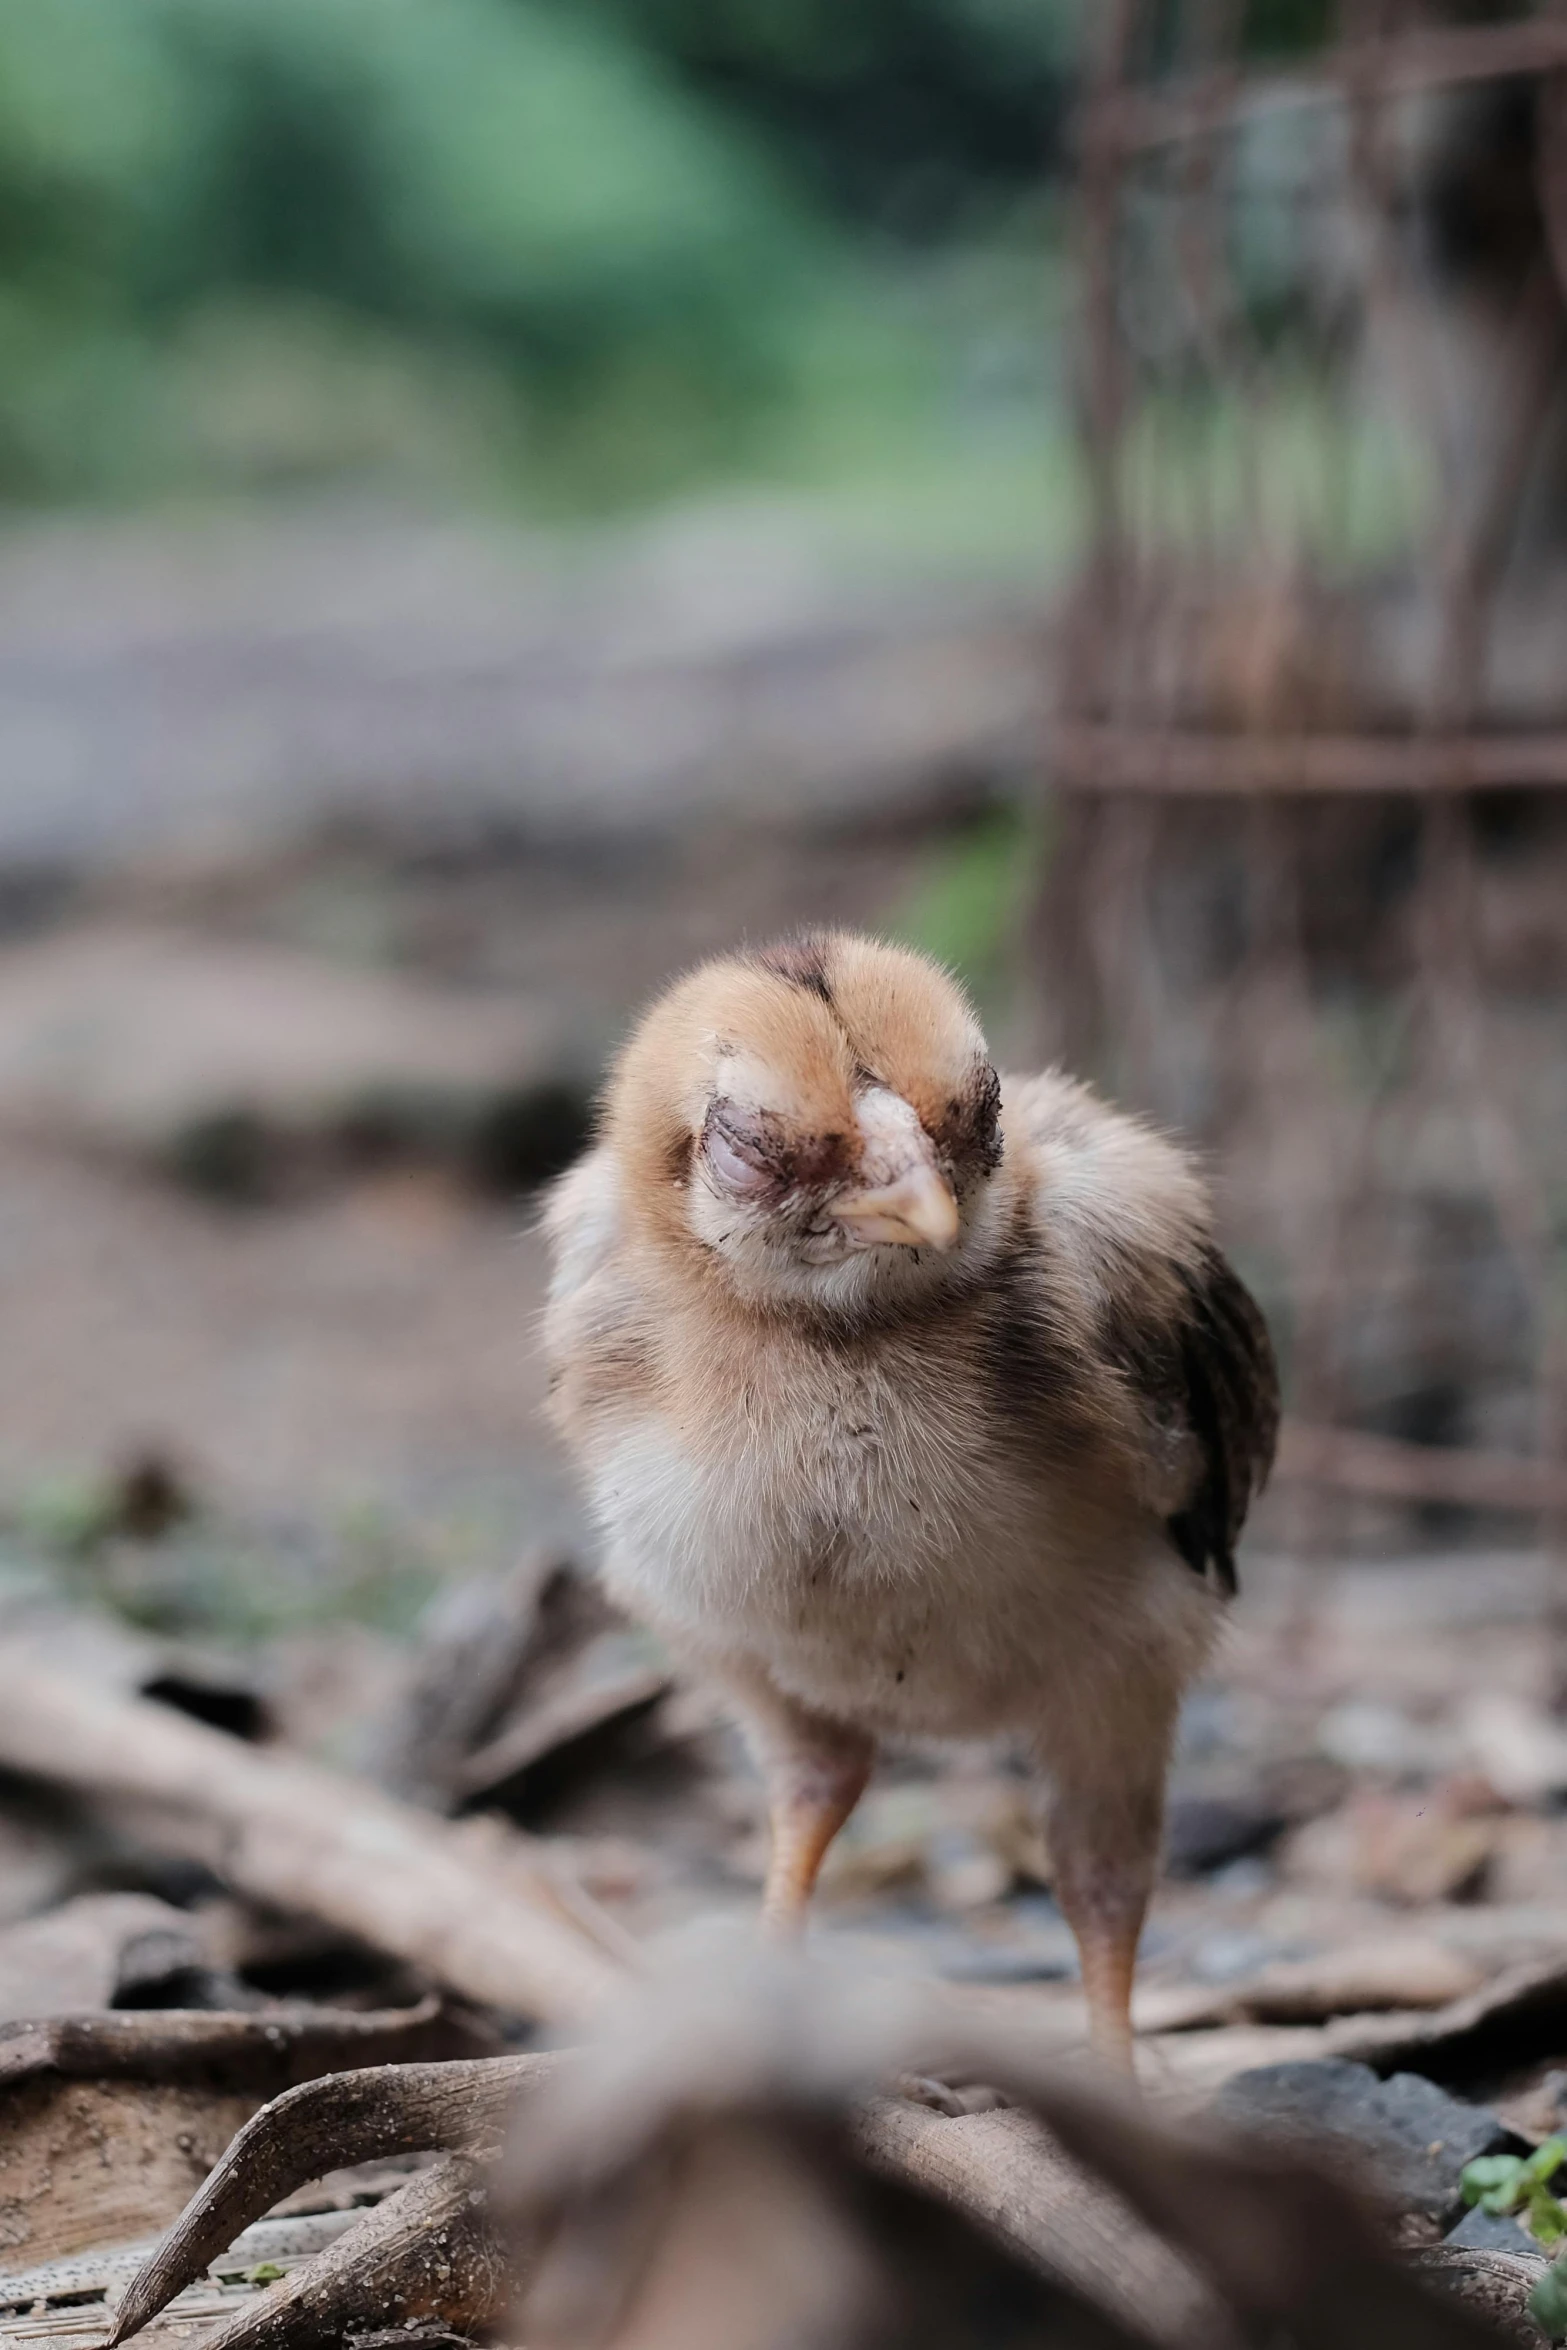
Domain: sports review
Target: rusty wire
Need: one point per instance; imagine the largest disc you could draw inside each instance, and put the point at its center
(1151, 725)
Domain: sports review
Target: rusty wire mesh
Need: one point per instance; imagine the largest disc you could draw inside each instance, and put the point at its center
(1307, 881)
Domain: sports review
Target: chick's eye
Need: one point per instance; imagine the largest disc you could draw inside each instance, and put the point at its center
(985, 1121)
(734, 1168)
(988, 1119)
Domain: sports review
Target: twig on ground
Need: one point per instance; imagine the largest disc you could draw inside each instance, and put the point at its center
(426, 2253)
(271, 2052)
(1002, 2170)
(715, 2170)
(557, 1721)
(325, 2125)
(471, 1659)
(290, 1833)
(1219, 2241)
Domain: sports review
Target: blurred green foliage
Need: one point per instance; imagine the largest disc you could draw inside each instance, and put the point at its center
(254, 240)
(572, 252)
(214, 1574)
(968, 907)
(915, 118)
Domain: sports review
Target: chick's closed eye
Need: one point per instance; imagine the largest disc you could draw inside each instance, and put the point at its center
(739, 1164)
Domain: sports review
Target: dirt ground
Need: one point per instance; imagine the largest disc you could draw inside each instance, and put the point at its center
(272, 1452)
(376, 1347)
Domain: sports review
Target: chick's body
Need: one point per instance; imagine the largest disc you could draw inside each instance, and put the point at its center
(892, 1523)
(908, 1402)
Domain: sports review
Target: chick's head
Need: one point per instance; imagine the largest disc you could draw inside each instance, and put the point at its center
(820, 1120)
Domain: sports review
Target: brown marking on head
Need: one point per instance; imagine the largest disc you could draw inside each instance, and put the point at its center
(802, 960)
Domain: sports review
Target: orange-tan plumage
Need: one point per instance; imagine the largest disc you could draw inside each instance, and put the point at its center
(909, 1401)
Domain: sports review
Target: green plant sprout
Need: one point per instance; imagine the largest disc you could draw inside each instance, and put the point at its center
(1519, 2186)
(1548, 2302)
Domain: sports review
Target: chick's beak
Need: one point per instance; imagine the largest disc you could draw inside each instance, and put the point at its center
(917, 1209)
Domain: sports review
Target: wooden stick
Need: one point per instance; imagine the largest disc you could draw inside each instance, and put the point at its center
(270, 2051)
(1090, 2189)
(494, 1926)
(1181, 761)
(1384, 1467)
(571, 1713)
(1004, 2171)
(426, 2255)
(354, 2117)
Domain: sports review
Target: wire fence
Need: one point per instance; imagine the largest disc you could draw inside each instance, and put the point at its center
(1307, 888)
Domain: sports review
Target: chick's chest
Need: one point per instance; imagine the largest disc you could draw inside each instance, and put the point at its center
(871, 1466)
(849, 1527)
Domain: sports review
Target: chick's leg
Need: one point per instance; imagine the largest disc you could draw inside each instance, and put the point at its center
(1103, 1823)
(815, 1772)
(810, 1793)
(1104, 1899)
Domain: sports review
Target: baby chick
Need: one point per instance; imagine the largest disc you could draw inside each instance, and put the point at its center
(910, 1400)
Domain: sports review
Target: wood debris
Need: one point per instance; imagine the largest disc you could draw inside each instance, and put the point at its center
(299, 1837)
(108, 2121)
(212, 2119)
